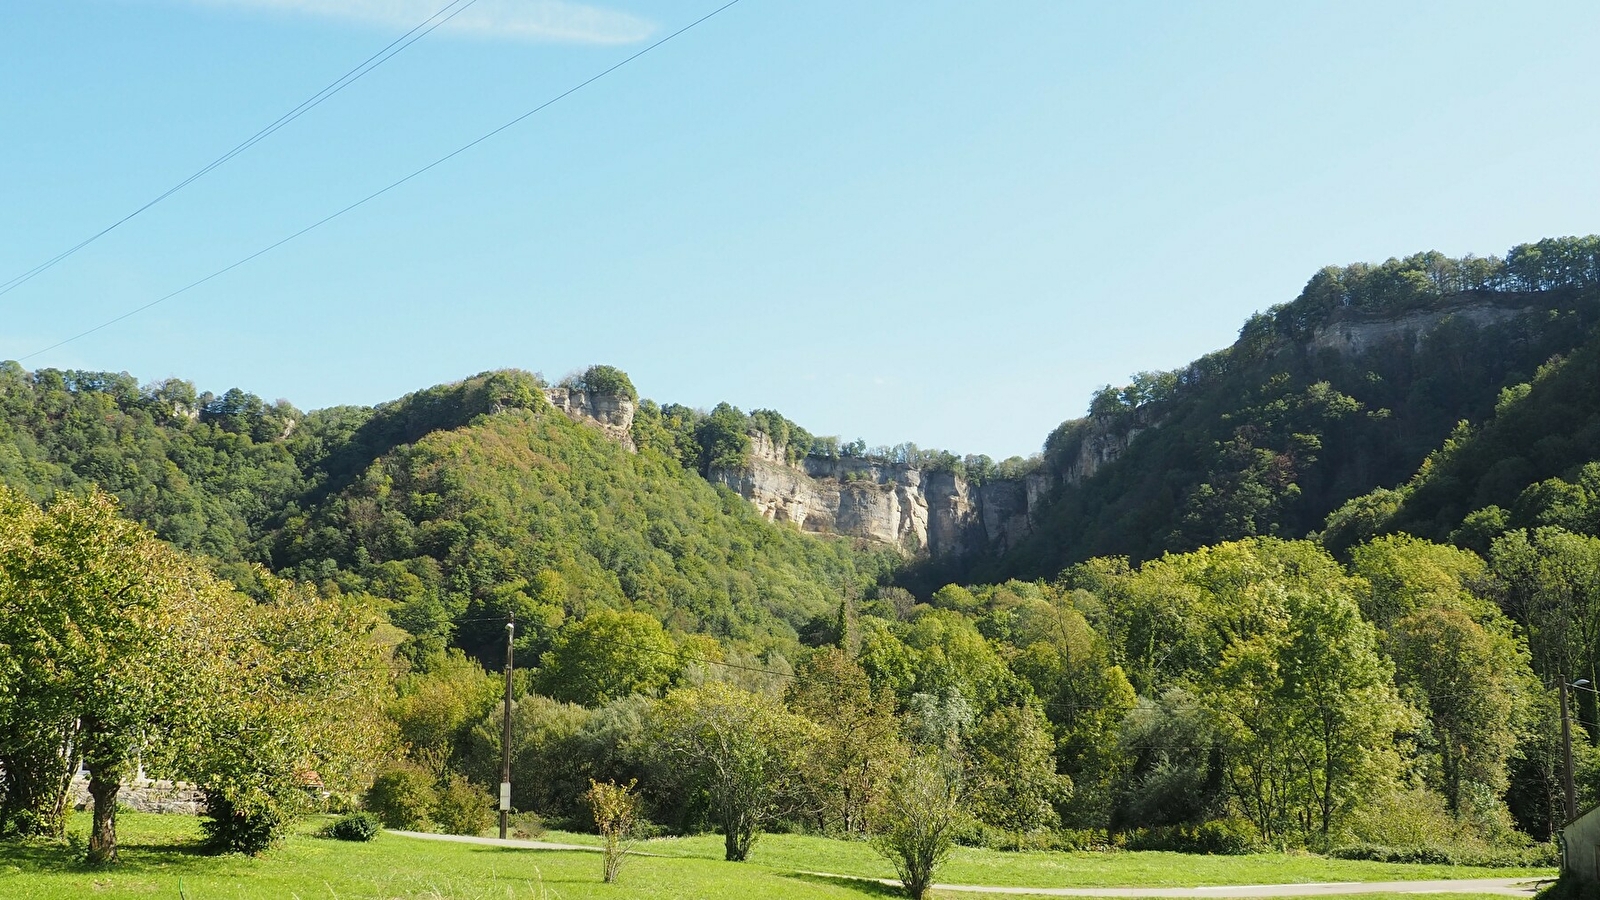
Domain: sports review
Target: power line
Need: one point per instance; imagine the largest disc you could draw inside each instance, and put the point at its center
(454, 8)
(676, 654)
(384, 190)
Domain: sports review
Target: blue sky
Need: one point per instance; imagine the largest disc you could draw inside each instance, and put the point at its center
(939, 222)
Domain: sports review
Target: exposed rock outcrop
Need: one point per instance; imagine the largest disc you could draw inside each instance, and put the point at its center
(611, 413)
(903, 506)
(1353, 337)
(940, 512)
(1104, 440)
(944, 515)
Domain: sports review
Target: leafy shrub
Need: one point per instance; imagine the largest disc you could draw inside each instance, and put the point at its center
(231, 828)
(1521, 857)
(1411, 818)
(403, 797)
(360, 826)
(1422, 855)
(1415, 826)
(461, 808)
(1223, 837)
(615, 808)
(526, 826)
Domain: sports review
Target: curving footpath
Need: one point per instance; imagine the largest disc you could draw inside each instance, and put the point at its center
(493, 842)
(1505, 887)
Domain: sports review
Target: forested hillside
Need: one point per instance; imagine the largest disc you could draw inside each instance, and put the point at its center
(1345, 389)
(1534, 462)
(455, 504)
(1316, 589)
(528, 513)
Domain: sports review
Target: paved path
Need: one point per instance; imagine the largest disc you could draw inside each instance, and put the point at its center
(495, 842)
(1507, 887)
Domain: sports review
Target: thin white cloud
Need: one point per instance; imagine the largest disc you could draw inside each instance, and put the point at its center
(525, 20)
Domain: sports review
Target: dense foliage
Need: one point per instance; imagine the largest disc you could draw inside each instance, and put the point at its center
(1167, 662)
(116, 649)
(451, 506)
(1270, 435)
(1532, 463)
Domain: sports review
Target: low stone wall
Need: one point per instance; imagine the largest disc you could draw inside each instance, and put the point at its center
(146, 795)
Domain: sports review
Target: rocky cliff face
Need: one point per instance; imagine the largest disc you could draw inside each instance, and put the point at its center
(940, 513)
(1355, 337)
(1104, 440)
(936, 512)
(611, 413)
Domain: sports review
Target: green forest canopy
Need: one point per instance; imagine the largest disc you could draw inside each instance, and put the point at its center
(1172, 666)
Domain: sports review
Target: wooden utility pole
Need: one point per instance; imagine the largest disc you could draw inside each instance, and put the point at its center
(504, 804)
(1566, 748)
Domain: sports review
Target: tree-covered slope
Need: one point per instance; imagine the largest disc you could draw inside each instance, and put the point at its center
(1345, 389)
(206, 473)
(1534, 462)
(449, 506)
(526, 511)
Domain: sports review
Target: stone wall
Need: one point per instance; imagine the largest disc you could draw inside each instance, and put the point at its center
(146, 795)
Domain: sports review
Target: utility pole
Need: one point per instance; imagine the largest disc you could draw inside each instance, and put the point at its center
(1566, 747)
(511, 631)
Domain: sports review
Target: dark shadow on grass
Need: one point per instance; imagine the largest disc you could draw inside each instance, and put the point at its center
(865, 887)
(134, 858)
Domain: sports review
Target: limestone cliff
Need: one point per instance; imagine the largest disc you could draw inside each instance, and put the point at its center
(1355, 336)
(916, 510)
(1100, 441)
(611, 413)
(940, 513)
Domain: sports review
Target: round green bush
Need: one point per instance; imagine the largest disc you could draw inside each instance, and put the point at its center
(403, 797)
(250, 830)
(360, 826)
(462, 808)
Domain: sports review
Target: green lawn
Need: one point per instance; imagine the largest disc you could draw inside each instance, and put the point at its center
(159, 860)
(1054, 869)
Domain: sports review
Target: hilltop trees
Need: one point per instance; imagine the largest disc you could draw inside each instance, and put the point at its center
(602, 379)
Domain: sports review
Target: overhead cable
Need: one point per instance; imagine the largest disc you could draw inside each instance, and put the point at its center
(445, 14)
(383, 190)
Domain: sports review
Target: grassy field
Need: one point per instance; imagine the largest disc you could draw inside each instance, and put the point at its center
(1144, 869)
(159, 862)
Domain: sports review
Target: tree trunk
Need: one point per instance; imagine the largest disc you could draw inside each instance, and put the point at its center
(104, 783)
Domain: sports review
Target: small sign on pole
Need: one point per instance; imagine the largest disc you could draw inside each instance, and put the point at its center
(505, 796)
